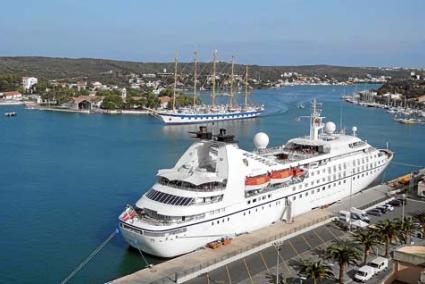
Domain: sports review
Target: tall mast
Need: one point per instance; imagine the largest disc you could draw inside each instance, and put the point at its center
(175, 82)
(232, 77)
(195, 76)
(213, 79)
(246, 87)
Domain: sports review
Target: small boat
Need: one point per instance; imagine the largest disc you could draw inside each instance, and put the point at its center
(10, 114)
(280, 176)
(257, 182)
(301, 106)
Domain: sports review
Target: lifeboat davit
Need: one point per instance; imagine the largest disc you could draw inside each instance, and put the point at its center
(298, 172)
(257, 182)
(281, 175)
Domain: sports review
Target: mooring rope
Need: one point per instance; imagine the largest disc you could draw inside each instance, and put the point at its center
(93, 254)
(407, 165)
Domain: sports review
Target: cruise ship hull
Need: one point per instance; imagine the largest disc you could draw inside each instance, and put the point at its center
(272, 206)
(176, 118)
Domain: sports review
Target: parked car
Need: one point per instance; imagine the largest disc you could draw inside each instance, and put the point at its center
(395, 203)
(381, 208)
(379, 264)
(374, 212)
(402, 200)
(364, 273)
(389, 207)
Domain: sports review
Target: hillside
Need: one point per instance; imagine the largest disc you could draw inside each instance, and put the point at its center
(111, 70)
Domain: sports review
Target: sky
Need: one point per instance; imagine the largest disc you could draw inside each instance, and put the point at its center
(268, 32)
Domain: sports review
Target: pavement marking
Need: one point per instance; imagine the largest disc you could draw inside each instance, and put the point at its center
(228, 274)
(264, 261)
(247, 270)
(319, 237)
(292, 246)
(330, 231)
(305, 240)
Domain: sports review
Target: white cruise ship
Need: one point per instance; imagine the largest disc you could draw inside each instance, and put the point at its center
(209, 113)
(218, 190)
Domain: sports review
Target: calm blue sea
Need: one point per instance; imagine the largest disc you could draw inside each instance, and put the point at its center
(64, 178)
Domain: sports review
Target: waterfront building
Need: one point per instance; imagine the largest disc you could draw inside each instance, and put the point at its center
(11, 96)
(28, 82)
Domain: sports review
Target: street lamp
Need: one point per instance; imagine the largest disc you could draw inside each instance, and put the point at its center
(277, 245)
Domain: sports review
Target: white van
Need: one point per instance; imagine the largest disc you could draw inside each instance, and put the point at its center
(364, 273)
(362, 215)
(344, 216)
(379, 264)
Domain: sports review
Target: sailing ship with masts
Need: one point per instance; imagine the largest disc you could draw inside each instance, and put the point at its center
(213, 112)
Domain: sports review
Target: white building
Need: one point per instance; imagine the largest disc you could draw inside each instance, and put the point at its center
(28, 82)
(123, 93)
(11, 96)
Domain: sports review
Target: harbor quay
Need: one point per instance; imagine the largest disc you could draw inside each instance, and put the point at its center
(190, 266)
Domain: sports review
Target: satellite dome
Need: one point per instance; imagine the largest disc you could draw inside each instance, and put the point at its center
(354, 129)
(330, 127)
(261, 140)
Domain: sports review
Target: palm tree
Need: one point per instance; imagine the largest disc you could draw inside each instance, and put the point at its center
(315, 270)
(368, 238)
(388, 230)
(344, 253)
(405, 229)
(421, 218)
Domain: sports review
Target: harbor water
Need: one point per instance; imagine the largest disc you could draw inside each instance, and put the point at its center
(65, 177)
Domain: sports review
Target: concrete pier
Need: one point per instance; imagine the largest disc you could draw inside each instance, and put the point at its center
(189, 266)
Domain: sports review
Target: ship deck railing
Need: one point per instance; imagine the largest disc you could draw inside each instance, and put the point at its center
(192, 188)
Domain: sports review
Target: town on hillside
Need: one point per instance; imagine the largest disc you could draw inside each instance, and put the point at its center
(140, 93)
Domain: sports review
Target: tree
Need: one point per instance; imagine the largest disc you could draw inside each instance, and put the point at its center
(421, 219)
(344, 253)
(388, 230)
(112, 102)
(315, 270)
(368, 238)
(405, 229)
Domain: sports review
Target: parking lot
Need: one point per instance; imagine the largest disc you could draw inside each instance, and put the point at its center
(261, 267)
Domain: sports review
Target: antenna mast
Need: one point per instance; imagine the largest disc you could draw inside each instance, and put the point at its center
(175, 81)
(213, 79)
(195, 76)
(232, 77)
(246, 87)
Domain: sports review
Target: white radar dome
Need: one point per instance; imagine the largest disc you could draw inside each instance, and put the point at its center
(261, 140)
(330, 127)
(354, 129)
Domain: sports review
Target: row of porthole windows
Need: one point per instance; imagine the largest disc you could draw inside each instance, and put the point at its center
(330, 178)
(259, 198)
(220, 221)
(214, 117)
(262, 208)
(317, 190)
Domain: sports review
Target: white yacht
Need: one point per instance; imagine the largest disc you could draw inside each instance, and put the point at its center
(218, 190)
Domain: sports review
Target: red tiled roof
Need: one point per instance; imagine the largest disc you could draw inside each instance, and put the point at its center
(12, 93)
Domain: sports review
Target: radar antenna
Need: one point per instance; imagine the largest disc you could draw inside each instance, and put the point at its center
(315, 120)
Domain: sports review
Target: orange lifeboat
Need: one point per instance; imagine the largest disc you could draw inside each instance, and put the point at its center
(298, 172)
(257, 182)
(281, 175)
